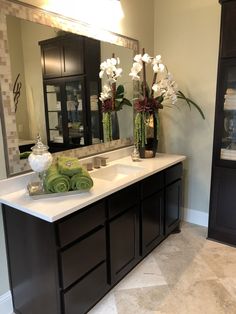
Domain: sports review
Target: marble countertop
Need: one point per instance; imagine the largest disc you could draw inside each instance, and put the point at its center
(14, 193)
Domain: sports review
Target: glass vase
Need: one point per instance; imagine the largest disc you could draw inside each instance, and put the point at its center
(151, 143)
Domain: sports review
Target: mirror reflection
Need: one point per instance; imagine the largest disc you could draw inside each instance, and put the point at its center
(57, 86)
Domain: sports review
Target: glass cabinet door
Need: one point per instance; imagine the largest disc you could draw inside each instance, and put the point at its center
(96, 116)
(228, 134)
(75, 112)
(54, 113)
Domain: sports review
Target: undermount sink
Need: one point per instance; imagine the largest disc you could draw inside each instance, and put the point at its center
(115, 172)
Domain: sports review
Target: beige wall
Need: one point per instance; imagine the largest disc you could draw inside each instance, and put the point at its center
(187, 37)
(32, 33)
(17, 67)
(137, 23)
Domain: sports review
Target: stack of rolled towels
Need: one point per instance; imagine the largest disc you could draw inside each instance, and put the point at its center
(65, 175)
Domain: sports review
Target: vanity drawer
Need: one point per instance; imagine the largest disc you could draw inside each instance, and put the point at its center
(152, 184)
(122, 200)
(173, 173)
(86, 292)
(83, 256)
(80, 223)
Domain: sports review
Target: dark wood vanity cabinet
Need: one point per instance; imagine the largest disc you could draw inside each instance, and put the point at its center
(123, 213)
(58, 267)
(222, 217)
(173, 198)
(67, 266)
(70, 67)
(152, 212)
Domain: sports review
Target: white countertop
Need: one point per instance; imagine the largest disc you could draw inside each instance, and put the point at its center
(13, 191)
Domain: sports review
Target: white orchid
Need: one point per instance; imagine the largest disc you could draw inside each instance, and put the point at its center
(146, 58)
(106, 93)
(158, 67)
(134, 76)
(164, 84)
(156, 88)
(163, 88)
(109, 68)
(157, 59)
(138, 58)
(136, 68)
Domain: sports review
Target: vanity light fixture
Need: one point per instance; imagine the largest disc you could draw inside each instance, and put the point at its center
(104, 13)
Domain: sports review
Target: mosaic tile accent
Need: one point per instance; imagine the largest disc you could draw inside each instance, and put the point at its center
(33, 14)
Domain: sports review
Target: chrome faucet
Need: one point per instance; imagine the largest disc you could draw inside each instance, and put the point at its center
(99, 161)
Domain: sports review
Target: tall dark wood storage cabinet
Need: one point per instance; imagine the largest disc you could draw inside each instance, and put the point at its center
(70, 67)
(222, 220)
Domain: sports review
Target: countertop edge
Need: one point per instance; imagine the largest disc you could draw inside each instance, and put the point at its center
(120, 185)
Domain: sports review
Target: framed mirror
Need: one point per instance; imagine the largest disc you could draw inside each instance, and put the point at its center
(24, 26)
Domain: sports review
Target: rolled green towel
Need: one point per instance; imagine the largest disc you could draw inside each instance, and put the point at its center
(25, 155)
(81, 181)
(69, 166)
(55, 182)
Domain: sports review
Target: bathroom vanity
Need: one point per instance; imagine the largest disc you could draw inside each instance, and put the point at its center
(65, 253)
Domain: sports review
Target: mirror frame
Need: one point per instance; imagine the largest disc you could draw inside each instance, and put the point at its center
(31, 13)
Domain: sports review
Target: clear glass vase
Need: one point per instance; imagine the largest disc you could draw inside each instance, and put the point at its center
(39, 160)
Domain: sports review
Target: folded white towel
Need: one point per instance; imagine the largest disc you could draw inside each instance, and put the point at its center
(230, 105)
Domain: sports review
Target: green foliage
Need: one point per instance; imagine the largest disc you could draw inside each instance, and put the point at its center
(25, 154)
(141, 124)
(107, 126)
(190, 102)
(120, 100)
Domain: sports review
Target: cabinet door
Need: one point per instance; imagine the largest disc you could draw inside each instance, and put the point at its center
(222, 223)
(93, 87)
(124, 243)
(152, 222)
(228, 40)
(72, 56)
(173, 202)
(76, 126)
(51, 60)
(55, 119)
(224, 151)
(86, 292)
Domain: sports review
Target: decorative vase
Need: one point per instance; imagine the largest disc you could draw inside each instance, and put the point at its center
(150, 148)
(115, 126)
(39, 160)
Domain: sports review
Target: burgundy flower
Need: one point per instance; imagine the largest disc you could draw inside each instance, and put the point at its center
(107, 105)
(147, 105)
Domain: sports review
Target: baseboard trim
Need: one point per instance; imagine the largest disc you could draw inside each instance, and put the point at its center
(6, 303)
(195, 217)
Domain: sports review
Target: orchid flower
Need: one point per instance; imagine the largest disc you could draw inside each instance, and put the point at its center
(106, 93)
(138, 58)
(146, 58)
(109, 67)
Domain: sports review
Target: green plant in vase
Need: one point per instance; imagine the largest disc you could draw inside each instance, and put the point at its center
(112, 96)
(163, 93)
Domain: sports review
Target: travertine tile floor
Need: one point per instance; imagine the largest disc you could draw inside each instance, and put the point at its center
(186, 274)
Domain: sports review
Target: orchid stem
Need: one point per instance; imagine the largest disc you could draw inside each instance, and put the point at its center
(113, 86)
(153, 82)
(144, 76)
